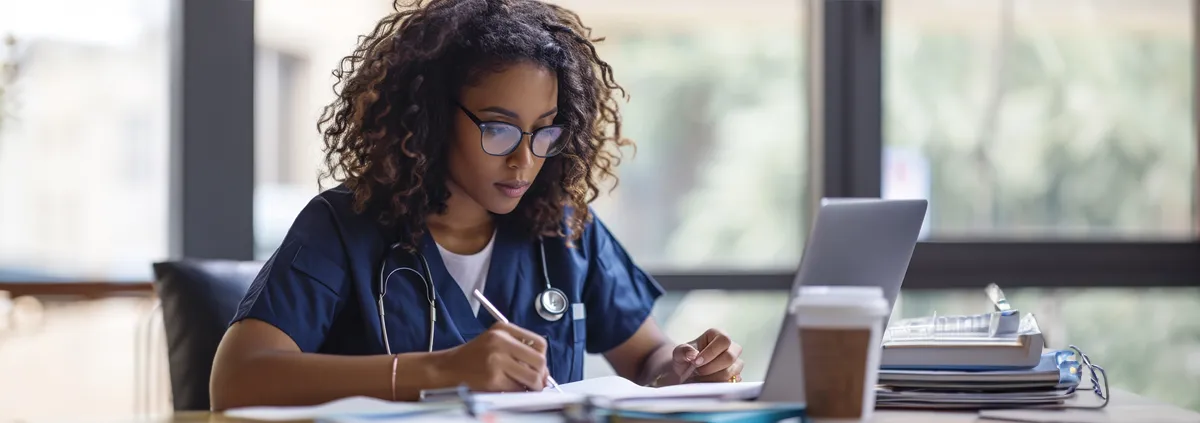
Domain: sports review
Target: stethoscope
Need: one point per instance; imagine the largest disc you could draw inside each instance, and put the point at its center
(551, 303)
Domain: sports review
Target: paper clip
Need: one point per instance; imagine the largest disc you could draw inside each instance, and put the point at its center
(458, 393)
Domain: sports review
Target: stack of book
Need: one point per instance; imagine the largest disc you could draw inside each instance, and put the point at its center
(990, 360)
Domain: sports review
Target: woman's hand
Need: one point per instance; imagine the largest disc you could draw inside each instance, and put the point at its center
(715, 356)
(505, 358)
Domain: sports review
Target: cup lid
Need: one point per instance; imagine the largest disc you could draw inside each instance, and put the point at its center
(855, 298)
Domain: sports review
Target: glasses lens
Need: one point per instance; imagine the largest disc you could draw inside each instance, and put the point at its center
(499, 139)
(546, 141)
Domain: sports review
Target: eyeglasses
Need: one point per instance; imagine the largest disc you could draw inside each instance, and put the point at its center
(502, 138)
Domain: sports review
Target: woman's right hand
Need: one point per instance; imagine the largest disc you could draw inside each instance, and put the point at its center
(505, 358)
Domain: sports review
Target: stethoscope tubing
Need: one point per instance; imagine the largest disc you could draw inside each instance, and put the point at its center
(431, 294)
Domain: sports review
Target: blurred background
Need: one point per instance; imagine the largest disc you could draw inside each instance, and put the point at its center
(1050, 136)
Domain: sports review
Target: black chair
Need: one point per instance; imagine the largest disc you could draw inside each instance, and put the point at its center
(198, 298)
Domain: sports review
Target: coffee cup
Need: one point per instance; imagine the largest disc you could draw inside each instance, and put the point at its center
(840, 328)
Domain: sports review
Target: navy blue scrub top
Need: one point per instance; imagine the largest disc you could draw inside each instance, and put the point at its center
(321, 286)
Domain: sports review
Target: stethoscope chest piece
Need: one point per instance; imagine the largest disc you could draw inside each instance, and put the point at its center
(551, 304)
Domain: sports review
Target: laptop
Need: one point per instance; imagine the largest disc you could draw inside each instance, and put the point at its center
(860, 241)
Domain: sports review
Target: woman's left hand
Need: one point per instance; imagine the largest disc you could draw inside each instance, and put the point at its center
(715, 356)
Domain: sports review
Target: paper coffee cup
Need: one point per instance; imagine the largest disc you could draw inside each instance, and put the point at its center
(840, 328)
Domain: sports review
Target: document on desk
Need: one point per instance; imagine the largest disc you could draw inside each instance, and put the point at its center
(616, 388)
(352, 406)
(453, 416)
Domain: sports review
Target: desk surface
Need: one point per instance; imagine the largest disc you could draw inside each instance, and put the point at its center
(1124, 407)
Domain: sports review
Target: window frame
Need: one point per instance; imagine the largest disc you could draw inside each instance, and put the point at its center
(212, 127)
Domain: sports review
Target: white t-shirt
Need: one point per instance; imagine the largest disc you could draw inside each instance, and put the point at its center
(470, 271)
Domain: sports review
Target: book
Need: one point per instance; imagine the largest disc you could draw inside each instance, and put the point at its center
(962, 343)
(608, 388)
(1054, 369)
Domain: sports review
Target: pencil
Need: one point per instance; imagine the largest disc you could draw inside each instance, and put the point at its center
(491, 309)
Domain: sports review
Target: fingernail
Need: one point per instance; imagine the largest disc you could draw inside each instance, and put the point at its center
(690, 355)
(699, 361)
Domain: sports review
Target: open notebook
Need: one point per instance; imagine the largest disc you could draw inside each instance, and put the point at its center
(614, 388)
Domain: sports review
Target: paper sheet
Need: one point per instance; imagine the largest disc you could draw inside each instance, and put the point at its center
(529, 401)
(615, 388)
(740, 390)
(603, 386)
(611, 388)
(356, 406)
(457, 416)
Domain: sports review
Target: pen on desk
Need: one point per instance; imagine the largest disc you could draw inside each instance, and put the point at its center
(500, 318)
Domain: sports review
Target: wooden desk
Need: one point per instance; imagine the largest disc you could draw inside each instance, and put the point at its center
(1124, 408)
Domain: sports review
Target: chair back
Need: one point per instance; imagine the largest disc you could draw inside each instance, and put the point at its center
(199, 298)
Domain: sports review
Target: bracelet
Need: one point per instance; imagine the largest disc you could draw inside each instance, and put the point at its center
(395, 360)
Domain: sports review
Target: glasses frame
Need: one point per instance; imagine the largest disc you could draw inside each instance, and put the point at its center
(480, 124)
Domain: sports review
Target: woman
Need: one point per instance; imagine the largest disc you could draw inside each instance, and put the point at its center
(469, 137)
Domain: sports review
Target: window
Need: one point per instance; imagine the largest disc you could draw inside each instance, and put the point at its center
(284, 172)
(299, 44)
(1055, 141)
(83, 140)
(717, 111)
(1061, 119)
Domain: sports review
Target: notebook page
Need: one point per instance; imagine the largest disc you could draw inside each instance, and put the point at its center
(352, 406)
(616, 387)
(608, 386)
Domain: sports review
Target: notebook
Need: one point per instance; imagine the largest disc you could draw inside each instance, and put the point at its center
(346, 407)
(1055, 369)
(612, 388)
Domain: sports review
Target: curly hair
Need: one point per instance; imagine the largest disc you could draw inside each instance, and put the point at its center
(386, 136)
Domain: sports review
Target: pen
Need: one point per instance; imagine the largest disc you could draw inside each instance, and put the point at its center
(500, 317)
